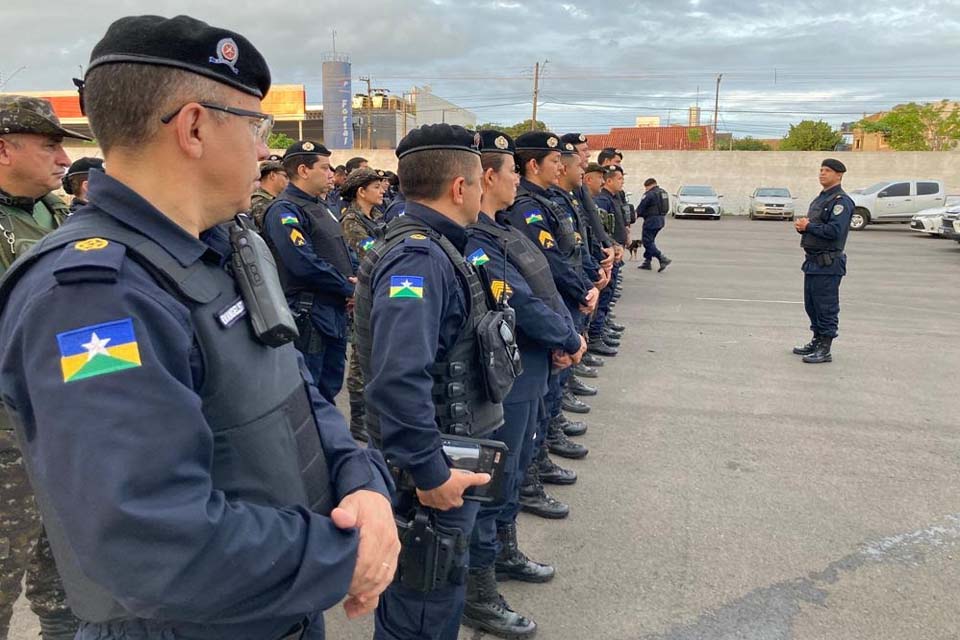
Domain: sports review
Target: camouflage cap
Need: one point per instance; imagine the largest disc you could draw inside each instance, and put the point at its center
(26, 114)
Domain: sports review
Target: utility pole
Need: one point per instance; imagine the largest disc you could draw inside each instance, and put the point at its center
(536, 91)
(716, 111)
(369, 111)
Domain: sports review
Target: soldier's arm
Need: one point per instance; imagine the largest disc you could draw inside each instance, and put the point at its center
(291, 238)
(568, 282)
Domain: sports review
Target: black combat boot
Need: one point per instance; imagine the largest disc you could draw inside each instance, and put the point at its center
(559, 444)
(584, 371)
(822, 354)
(613, 326)
(58, 626)
(358, 427)
(664, 263)
(487, 610)
(576, 386)
(573, 404)
(645, 266)
(611, 339)
(807, 349)
(552, 473)
(591, 360)
(534, 498)
(598, 347)
(513, 564)
(570, 427)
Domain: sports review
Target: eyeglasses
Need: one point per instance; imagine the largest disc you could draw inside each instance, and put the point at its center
(262, 125)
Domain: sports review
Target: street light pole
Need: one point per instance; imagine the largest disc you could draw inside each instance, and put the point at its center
(716, 111)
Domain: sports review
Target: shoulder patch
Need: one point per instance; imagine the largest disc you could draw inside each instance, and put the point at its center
(297, 238)
(534, 216)
(91, 260)
(478, 258)
(367, 243)
(289, 218)
(837, 209)
(546, 240)
(500, 289)
(97, 350)
(406, 287)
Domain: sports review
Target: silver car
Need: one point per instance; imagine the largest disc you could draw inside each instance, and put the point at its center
(697, 200)
(772, 202)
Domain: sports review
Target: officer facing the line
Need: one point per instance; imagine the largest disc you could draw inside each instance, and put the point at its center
(422, 312)
(192, 483)
(823, 237)
(314, 263)
(654, 207)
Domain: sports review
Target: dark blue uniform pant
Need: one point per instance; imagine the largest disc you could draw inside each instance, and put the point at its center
(603, 305)
(327, 366)
(649, 239)
(518, 430)
(405, 614)
(821, 299)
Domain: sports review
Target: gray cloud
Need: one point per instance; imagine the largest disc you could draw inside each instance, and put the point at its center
(609, 62)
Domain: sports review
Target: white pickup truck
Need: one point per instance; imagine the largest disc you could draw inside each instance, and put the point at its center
(895, 201)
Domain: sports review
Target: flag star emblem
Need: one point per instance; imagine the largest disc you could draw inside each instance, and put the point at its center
(97, 345)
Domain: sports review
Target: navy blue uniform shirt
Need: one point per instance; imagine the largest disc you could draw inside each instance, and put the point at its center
(395, 208)
(305, 267)
(126, 456)
(540, 329)
(649, 210)
(565, 200)
(593, 217)
(835, 206)
(409, 334)
(611, 204)
(528, 215)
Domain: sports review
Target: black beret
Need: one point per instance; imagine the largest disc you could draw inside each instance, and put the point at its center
(836, 165)
(611, 169)
(185, 43)
(305, 148)
(567, 149)
(573, 138)
(84, 165)
(433, 137)
(359, 178)
(274, 158)
(496, 142)
(538, 141)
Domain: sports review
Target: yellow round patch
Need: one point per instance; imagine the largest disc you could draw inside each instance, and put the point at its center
(418, 236)
(93, 244)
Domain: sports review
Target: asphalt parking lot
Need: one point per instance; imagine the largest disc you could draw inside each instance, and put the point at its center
(732, 491)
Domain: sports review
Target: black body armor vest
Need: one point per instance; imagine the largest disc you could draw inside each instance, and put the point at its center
(326, 236)
(267, 448)
(821, 213)
(564, 233)
(462, 404)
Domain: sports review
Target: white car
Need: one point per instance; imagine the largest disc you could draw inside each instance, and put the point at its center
(894, 201)
(929, 221)
(697, 201)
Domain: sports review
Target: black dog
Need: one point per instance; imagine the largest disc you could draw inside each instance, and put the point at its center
(633, 248)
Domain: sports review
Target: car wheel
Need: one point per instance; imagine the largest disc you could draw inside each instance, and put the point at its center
(859, 220)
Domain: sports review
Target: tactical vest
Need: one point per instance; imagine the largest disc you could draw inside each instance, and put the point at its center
(814, 244)
(564, 233)
(582, 229)
(267, 449)
(375, 228)
(459, 396)
(526, 258)
(326, 236)
(20, 230)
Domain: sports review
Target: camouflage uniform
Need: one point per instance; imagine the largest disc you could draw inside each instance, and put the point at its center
(359, 231)
(259, 202)
(23, 544)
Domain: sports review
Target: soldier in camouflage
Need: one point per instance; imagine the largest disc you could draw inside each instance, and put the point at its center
(363, 191)
(32, 165)
(273, 180)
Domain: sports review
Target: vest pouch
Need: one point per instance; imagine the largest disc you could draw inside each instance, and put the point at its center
(498, 354)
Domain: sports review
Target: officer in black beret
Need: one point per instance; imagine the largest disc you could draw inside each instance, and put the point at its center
(823, 236)
(191, 481)
(421, 311)
(314, 263)
(75, 181)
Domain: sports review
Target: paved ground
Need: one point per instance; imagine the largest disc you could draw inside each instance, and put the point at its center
(732, 491)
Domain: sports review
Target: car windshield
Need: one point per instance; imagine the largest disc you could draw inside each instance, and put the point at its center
(874, 188)
(697, 191)
(773, 193)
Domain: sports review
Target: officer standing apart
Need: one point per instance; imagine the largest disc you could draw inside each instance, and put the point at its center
(654, 207)
(314, 263)
(32, 163)
(212, 496)
(823, 237)
(422, 311)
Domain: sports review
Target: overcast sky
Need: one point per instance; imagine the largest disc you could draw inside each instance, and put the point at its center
(608, 61)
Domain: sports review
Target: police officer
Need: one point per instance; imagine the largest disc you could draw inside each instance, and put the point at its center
(32, 160)
(362, 225)
(75, 182)
(191, 482)
(314, 263)
(273, 180)
(546, 337)
(653, 208)
(334, 199)
(421, 311)
(823, 237)
(608, 200)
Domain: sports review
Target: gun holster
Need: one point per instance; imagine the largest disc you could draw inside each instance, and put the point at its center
(429, 554)
(310, 340)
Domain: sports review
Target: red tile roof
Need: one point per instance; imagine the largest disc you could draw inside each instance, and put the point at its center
(675, 138)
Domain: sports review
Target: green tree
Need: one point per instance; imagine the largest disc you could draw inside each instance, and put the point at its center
(811, 136)
(279, 141)
(693, 135)
(514, 130)
(750, 144)
(918, 127)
